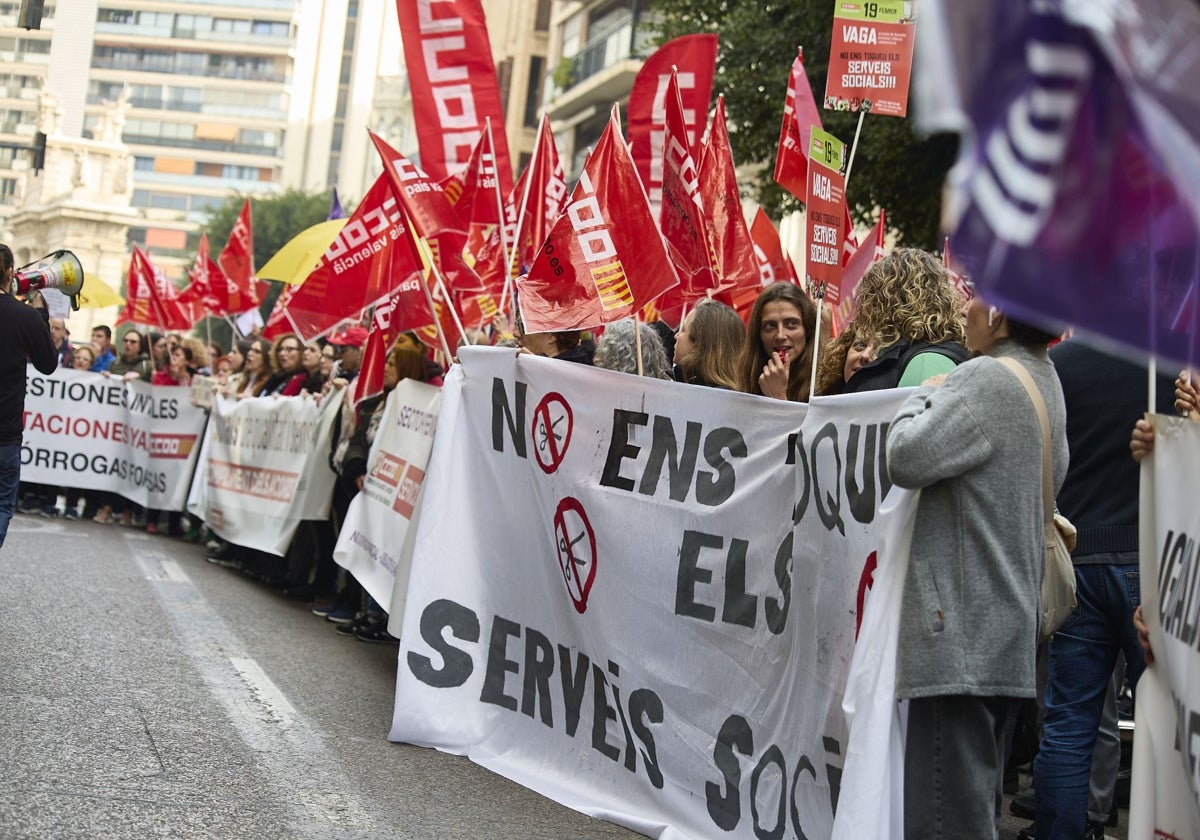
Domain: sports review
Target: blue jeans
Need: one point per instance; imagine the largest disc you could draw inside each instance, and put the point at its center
(10, 477)
(1082, 655)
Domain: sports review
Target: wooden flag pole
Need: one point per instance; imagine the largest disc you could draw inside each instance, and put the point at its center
(499, 207)
(516, 248)
(816, 339)
(637, 333)
(428, 255)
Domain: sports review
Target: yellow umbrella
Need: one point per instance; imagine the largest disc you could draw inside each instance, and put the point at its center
(297, 259)
(96, 294)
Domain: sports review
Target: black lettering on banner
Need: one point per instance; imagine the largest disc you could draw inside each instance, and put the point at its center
(619, 448)
(539, 667)
(885, 480)
(645, 707)
(574, 682)
(602, 713)
(829, 508)
(861, 498)
(456, 668)
(715, 488)
(740, 608)
(630, 755)
(772, 757)
(504, 414)
(691, 573)
(498, 664)
(805, 765)
(663, 447)
(776, 609)
(725, 804)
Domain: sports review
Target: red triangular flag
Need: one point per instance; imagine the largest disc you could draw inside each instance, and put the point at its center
(475, 192)
(800, 117)
(237, 262)
(605, 258)
(866, 255)
(732, 247)
(150, 298)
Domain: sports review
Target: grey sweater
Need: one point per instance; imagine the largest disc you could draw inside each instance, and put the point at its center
(968, 622)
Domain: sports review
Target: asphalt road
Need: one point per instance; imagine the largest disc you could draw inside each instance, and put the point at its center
(147, 693)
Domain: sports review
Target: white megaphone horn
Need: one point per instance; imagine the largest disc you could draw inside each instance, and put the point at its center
(60, 270)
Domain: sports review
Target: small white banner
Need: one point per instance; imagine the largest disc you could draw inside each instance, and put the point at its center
(1164, 801)
(641, 599)
(265, 466)
(94, 432)
(371, 542)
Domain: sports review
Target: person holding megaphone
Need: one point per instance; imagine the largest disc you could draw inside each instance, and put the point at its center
(24, 337)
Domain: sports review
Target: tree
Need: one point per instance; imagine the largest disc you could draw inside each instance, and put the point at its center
(275, 220)
(893, 168)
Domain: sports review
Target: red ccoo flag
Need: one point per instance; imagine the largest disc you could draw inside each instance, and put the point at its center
(150, 298)
(800, 117)
(732, 247)
(605, 258)
(237, 261)
(209, 286)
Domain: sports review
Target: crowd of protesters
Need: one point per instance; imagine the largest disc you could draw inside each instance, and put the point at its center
(969, 436)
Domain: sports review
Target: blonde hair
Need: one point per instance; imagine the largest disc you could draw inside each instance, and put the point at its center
(718, 333)
(199, 351)
(831, 367)
(909, 295)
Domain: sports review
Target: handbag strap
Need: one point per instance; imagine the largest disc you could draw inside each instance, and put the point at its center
(1039, 405)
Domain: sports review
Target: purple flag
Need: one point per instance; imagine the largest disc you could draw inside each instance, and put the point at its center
(1076, 196)
(335, 208)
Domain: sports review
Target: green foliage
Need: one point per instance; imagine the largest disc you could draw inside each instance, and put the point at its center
(893, 168)
(275, 219)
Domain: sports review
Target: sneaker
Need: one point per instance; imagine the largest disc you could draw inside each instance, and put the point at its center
(191, 535)
(376, 634)
(360, 622)
(323, 606)
(212, 545)
(49, 512)
(104, 516)
(1028, 832)
(1094, 831)
(29, 506)
(71, 514)
(137, 521)
(1023, 805)
(342, 615)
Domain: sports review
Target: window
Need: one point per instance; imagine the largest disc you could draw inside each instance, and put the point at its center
(542, 22)
(537, 66)
(114, 16)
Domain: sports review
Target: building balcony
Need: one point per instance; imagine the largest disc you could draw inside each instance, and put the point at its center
(600, 74)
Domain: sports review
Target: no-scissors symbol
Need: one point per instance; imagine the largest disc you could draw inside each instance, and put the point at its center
(575, 543)
(552, 423)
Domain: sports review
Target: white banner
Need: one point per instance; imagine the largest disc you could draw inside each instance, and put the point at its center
(1166, 769)
(641, 598)
(265, 465)
(94, 432)
(372, 539)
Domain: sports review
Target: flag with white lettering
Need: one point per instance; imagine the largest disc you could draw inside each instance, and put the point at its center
(237, 262)
(694, 60)
(800, 117)
(150, 298)
(870, 57)
(475, 192)
(604, 258)
(732, 246)
(369, 257)
(453, 82)
(209, 286)
(1078, 202)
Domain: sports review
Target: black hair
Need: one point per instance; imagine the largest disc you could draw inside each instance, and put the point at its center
(7, 260)
(1027, 335)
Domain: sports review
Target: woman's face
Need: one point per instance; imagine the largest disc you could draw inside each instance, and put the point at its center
(861, 353)
(391, 375)
(684, 346)
(236, 360)
(254, 358)
(782, 330)
(328, 357)
(312, 357)
(82, 360)
(289, 355)
(160, 348)
(178, 362)
(540, 344)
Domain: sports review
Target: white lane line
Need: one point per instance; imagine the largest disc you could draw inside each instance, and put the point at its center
(291, 754)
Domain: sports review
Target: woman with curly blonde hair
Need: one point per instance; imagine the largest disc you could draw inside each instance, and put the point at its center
(907, 301)
(842, 357)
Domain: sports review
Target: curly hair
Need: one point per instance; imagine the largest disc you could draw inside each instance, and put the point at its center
(754, 355)
(831, 366)
(718, 333)
(617, 350)
(909, 295)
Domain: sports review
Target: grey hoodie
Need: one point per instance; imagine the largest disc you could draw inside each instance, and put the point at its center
(968, 623)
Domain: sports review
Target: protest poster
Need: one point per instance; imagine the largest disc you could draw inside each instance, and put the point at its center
(825, 214)
(651, 615)
(265, 466)
(1165, 795)
(370, 543)
(94, 432)
(870, 57)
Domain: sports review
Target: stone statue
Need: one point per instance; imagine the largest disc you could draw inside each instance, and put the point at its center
(50, 112)
(112, 121)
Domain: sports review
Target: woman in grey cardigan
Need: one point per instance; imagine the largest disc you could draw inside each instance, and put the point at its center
(971, 441)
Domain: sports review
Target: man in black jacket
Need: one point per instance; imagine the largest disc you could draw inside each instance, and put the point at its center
(24, 337)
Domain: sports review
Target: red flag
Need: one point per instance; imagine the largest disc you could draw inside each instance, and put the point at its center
(605, 258)
(370, 255)
(150, 298)
(453, 83)
(277, 322)
(404, 310)
(684, 219)
(237, 262)
(369, 382)
(866, 255)
(695, 59)
(475, 193)
(428, 334)
(773, 265)
(800, 117)
(732, 247)
(431, 216)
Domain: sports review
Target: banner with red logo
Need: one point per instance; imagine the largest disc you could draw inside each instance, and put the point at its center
(800, 117)
(93, 432)
(369, 257)
(605, 258)
(237, 261)
(870, 57)
(657, 625)
(825, 212)
(453, 82)
(374, 543)
(694, 61)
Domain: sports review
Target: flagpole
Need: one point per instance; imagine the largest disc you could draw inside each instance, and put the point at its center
(428, 254)
(511, 265)
(853, 148)
(637, 332)
(499, 203)
(812, 380)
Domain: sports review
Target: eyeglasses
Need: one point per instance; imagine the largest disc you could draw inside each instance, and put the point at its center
(287, 348)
